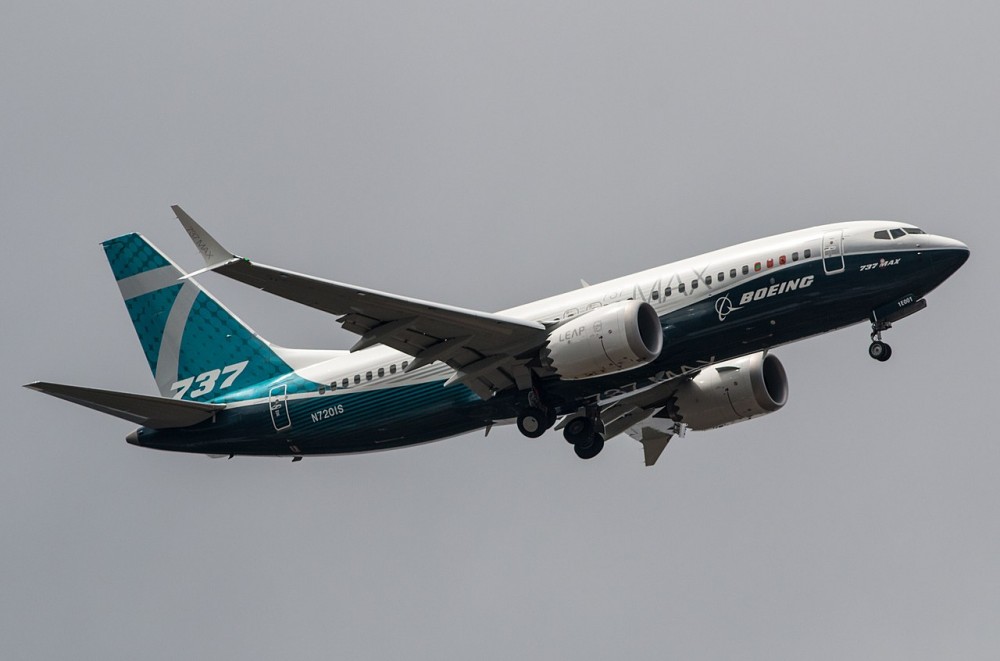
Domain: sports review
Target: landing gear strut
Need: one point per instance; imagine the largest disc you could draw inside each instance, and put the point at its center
(878, 349)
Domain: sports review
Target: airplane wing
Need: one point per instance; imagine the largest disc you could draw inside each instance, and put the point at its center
(489, 352)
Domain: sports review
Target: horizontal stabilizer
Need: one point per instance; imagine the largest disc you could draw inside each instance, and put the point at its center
(145, 410)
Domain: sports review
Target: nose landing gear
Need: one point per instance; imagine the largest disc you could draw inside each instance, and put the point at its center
(878, 349)
(883, 318)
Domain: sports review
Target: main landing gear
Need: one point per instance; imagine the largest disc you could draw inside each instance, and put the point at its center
(582, 433)
(878, 349)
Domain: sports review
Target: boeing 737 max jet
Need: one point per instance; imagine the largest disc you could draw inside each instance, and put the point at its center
(677, 347)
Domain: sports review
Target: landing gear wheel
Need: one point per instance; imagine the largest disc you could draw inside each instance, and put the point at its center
(880, 351)
(579, 430)
(590, 450)
(532, 422)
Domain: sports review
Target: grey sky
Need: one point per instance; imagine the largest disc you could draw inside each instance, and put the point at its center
(485, 156)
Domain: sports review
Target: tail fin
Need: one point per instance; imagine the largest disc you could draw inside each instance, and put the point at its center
(196, 348)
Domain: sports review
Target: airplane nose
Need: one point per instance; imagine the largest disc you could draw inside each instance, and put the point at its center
(949, 256)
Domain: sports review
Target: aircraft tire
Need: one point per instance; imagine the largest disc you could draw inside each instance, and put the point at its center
(579, 430)
(590, 450)
(532, 422)
(880, 351)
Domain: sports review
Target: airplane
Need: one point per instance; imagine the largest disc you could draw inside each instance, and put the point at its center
(685, 346)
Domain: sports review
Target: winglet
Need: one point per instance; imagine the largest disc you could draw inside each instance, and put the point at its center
(211, 250)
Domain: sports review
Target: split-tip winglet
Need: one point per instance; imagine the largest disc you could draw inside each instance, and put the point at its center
(211, 250)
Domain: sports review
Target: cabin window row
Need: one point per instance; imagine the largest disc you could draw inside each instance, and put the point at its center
(733, 274)
(368, 376)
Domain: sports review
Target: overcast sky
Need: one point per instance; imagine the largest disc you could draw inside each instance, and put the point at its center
(485, 155)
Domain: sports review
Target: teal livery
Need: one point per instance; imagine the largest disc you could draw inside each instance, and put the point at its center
(197, 350)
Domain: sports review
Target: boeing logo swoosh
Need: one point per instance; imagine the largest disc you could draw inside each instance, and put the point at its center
(723, 306)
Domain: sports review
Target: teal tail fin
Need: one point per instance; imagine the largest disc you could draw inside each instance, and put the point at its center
(196, 348)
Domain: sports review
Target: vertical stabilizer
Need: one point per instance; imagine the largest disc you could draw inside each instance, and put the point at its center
(196, 348)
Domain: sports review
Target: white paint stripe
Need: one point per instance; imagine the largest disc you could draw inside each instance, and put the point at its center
(173, 333)
(148, 281)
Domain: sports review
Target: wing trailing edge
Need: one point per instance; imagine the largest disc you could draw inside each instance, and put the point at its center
(145, 410)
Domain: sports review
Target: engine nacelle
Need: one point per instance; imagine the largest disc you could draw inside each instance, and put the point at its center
(730, 392)
(610, 339)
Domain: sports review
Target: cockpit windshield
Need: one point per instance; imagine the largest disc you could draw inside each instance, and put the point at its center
(897, 232)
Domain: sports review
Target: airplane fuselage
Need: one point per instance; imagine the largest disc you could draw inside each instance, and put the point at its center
(712, 308)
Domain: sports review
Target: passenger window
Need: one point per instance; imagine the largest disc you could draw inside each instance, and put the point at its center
(882, 234)
(722, 276)
(782, 261)
(896, 233)
(732, 273)
(667, 292)
(808, 253)
(708, 279)
(344, 383)
(405, 363)
(680, 288)
(770, 263)
(795, 256)
(381, 372)
(357, 379)
(322, 390)
(746, 269)
(333, 386)
(368, 376)
(392, 368)
(694, 284)
(756, 266)
(655, 295)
